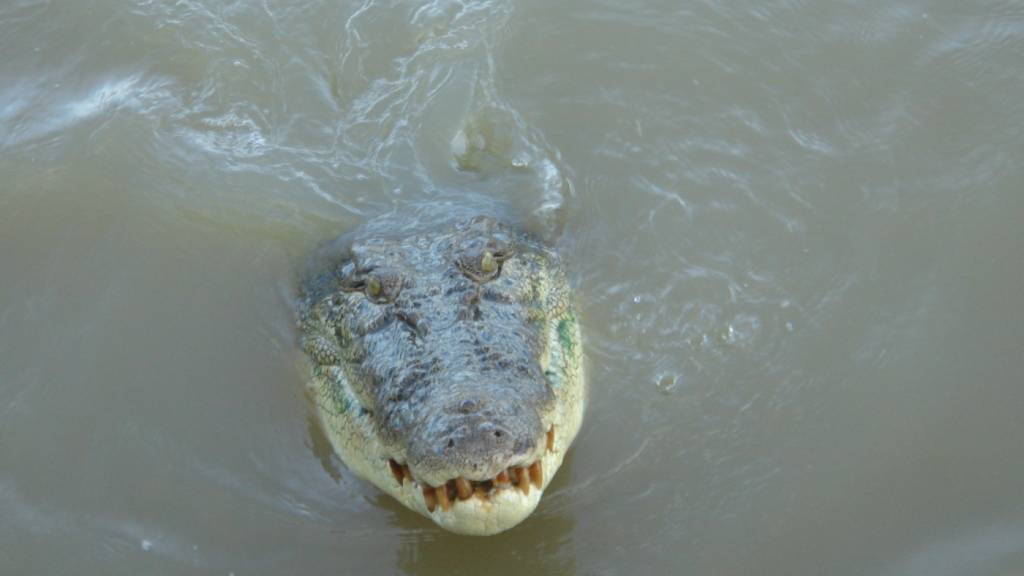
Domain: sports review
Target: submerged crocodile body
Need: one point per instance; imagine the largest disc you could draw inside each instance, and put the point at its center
(446, 366)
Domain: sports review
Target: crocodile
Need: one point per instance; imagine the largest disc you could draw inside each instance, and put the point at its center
(446, 366)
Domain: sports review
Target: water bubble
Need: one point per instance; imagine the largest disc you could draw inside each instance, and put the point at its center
(741, 331)
(147, 545)
(666, 382)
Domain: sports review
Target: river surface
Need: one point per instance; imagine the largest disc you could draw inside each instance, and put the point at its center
(795, 230)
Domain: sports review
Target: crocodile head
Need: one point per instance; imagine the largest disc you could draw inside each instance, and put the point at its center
(446, 367)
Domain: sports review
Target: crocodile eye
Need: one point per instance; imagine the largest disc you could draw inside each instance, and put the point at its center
(383, 285)
(488, 263)
(379, 285)
(372, 287)
(482, 249)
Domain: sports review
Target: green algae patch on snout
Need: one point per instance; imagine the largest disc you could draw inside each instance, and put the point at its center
(333, 397)
(566, 334)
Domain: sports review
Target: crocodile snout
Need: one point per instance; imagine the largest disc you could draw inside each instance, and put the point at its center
(474, 438)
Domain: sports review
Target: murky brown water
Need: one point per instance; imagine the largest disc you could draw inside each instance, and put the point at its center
(795, 228)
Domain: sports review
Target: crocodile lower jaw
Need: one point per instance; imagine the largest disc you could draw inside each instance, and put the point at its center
(489, 507)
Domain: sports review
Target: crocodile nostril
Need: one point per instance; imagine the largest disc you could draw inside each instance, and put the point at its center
(467, 406)
(497, 433)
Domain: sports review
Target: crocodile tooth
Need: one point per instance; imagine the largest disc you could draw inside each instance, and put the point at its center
(501, 478)
(442, 497)
(481, 494)
(551, 438)
(512, 477)
(463, 488)
(428, 497)
(537, 474)
(523, 477)
(407, 474)
(396, 471)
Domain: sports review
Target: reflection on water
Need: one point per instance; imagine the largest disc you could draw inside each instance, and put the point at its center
(543, 550)
(794, 231)
(321, 447)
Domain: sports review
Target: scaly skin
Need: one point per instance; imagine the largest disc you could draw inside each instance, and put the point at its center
(443, 362)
